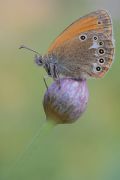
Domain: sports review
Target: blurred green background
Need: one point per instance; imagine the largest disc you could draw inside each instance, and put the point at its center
(88, 149)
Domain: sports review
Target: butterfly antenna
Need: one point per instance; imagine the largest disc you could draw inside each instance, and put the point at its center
(25, 47)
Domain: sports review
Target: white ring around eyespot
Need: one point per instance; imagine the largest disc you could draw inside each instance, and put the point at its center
(95, 65)
(95, 37)
(100, 62)
(100, 44)
(81, 36)
(100, 53)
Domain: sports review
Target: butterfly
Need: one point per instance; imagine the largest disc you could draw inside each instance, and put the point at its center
(83, 50)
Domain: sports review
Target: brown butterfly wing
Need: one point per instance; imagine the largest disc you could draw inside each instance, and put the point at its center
(75, 56)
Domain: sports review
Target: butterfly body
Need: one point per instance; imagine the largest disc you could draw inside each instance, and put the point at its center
(84, 49)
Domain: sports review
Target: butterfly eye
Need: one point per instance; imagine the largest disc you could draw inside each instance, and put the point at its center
(101, 43)
(101, 60)
(101, 51)
(83, 37)
(95, 38)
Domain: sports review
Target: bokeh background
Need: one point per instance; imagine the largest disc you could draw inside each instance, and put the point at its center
(88, 149)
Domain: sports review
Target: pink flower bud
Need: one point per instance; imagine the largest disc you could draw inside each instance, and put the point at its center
(65, 104)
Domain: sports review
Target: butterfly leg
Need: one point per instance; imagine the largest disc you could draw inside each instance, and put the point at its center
(44, 79)
(52, 71)
(56, 75)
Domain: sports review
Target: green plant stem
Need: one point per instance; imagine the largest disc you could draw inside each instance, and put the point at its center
(39, 136)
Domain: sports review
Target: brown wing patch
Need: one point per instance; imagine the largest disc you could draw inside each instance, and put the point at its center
(99, 21)
(108, 57)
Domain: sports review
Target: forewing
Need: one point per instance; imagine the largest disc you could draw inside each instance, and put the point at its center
(99, 21)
